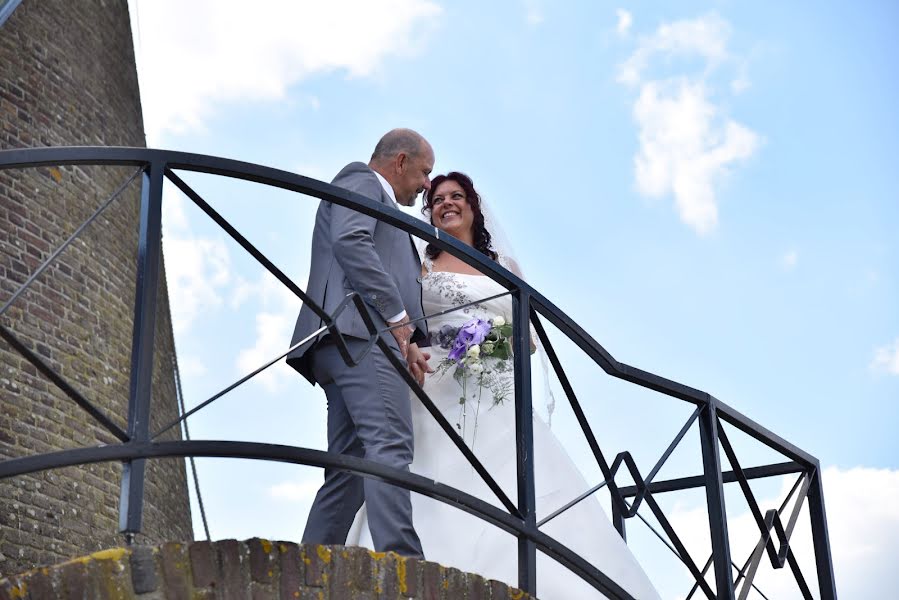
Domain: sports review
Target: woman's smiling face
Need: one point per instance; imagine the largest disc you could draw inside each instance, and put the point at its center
(450, 210)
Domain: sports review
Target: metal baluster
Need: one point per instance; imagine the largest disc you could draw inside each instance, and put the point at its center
(148, 260)
(714, 493)
(524, 427)
(820, 538)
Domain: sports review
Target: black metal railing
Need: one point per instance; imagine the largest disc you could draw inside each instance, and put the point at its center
(517, 517)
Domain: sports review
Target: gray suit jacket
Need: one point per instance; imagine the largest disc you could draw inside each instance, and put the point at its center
(355, 252)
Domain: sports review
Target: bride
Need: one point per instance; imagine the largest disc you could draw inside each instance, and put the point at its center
(483, 378)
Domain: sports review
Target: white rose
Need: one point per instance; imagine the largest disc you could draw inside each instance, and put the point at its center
(474, 351)
(498, 321)
(476, 368)
(488, 348)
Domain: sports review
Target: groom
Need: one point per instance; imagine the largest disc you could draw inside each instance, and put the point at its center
(369, 411)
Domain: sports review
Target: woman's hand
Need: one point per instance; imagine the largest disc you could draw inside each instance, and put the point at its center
(417, 360)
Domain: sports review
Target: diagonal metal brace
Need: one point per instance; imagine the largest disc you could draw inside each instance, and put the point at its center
(75, 234)
(63, 385)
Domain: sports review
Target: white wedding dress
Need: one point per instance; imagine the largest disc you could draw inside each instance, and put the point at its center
(455, 538)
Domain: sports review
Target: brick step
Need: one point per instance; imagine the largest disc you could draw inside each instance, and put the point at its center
(255, 569)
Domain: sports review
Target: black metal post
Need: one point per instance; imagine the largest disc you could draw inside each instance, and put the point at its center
(714, 495)
(524, 427)
(148, 259)
(618, 520)
(826, 583)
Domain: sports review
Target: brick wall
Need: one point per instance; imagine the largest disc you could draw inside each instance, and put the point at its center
(67, 77)
(256, 569)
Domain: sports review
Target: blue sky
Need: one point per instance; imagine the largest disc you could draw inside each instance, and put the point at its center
(706, 187)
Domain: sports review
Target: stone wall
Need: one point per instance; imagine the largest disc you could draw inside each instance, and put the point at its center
(67, 77)
(252, 570)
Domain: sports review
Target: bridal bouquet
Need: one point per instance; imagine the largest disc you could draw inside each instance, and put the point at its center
(479, 350)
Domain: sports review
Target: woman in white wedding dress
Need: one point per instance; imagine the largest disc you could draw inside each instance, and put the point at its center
(486, 421)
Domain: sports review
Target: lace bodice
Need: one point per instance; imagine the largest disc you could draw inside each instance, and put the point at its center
(441, 290)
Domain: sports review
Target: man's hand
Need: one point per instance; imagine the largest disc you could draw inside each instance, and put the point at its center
(418, 363)
(402, 334)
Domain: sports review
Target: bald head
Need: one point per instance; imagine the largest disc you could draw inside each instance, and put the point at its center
(405, 159)
(398, 141)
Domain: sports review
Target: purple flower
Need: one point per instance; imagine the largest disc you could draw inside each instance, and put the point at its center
(470, 334)
(474, 332)
(458, 351)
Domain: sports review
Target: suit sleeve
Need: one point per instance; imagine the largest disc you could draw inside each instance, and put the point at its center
(352, 235)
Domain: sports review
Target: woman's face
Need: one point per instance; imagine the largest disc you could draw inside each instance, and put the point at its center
(450, 210)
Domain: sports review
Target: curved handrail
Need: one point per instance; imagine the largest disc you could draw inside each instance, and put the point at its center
(214, 165)
(158, 163)
(316, 458)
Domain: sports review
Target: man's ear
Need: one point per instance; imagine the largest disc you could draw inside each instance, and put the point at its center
(402, 163)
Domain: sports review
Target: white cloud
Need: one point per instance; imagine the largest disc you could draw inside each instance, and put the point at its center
(683, 148)
(862, 507)
(274, 328)
(705, 37)
(789, 260)
(273, 337)
(687, 143)
(197, 269)
(625, 19)
(195, 56)
(191, 366)
(174, 218)
(886, 358)
(296, 491)
(241, 292)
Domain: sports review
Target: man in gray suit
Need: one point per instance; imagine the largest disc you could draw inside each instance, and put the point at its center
(369, 411)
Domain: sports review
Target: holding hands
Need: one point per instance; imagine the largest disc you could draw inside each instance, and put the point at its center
(418, 363)
(415, 357)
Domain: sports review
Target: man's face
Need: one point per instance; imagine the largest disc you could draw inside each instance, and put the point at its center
(413, 175)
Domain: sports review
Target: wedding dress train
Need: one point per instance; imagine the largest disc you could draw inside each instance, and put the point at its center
(455, 538)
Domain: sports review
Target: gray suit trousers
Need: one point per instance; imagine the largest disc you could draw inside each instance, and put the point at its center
(369, 416)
